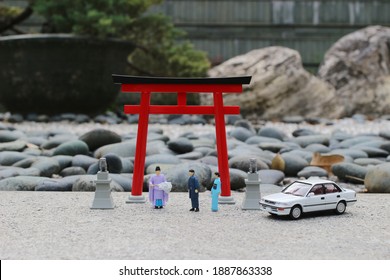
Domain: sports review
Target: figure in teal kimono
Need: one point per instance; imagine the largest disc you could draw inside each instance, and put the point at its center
(215, 191)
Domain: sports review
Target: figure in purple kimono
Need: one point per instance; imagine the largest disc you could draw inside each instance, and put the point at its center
(157, 196)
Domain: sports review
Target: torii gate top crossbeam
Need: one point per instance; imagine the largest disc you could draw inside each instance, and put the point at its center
(159, 84)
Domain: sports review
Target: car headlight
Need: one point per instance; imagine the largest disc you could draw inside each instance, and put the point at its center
(281, 204)
(262, 200)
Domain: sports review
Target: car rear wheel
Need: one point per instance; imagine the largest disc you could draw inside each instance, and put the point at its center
(295, 212)
(340, 208)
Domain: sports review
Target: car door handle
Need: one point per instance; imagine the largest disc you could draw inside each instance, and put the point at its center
(338, 196)
(322, 197)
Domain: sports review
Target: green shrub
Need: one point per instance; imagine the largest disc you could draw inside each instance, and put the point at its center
(161, 50)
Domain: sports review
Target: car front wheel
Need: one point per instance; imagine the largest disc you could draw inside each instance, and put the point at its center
(340, 208)
(295, 212)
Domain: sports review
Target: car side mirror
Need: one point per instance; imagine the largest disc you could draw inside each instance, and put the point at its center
(310, 194)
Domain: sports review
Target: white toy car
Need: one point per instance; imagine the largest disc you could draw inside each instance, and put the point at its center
(309, 195)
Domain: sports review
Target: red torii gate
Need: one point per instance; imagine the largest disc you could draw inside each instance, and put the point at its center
(182, 86)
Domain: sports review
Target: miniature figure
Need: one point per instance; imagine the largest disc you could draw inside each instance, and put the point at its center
(215, 191)
(193, 189)
(313, 194)
(103, 165)
(157, 196)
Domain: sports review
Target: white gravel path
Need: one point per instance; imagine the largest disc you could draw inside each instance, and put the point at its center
(50, 225)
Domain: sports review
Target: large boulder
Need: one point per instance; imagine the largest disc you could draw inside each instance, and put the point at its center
(358, 67)
(377, 179)
(280, 86)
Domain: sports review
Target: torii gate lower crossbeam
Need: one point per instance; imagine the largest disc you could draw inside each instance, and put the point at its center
(181, 86)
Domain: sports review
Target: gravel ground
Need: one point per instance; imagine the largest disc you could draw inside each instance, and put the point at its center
(50, 225)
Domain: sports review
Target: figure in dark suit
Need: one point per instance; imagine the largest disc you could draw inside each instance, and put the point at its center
(193, 189)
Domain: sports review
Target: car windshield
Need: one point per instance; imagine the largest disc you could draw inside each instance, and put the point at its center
(297, 188)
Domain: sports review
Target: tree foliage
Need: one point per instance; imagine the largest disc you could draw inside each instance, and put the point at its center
(161, 48)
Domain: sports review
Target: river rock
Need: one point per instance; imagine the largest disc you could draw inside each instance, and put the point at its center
(272, 132)
(72, 148)
(11, 171)
(312, 171)
(127, 165)
(280, 86)
(157, 137)
(93, 169)
(181, 145)
(372, 152)
(38, 141)
(124, 149)
(272, 146)
(385, 146)
(17, 145)
(46, 166)
(63, 161)
(305, 141)
(367, 161)
(9, 158)
(357, 140)
(100, 137)
(349, 172)
(161, 158)
(10, 136)
(114, 163)
(190, 156)
(237, 179)
(164, 168)
(317, 148)
(307, 155)
(209, 160)
(271, 176)
(289, 164)
(33, 151)
(293, 119)
(245, 150)
(241, 133)
(20, 183)
(73, 170)
(353, 153)
(377, 179)
(255, 140)
(303, 132)
(178, 176)
(83, 161)
(57, 185)
(245, 124)
(124, 180)
(57, 140)
(204, 143)
(357, 66)
(25, 163)
(86, 183)
(385, 134)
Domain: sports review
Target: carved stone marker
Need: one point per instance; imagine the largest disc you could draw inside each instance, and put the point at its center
(252, 194)
(103, 198)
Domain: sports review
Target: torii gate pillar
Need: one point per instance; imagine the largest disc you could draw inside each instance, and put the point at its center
(181, 86)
